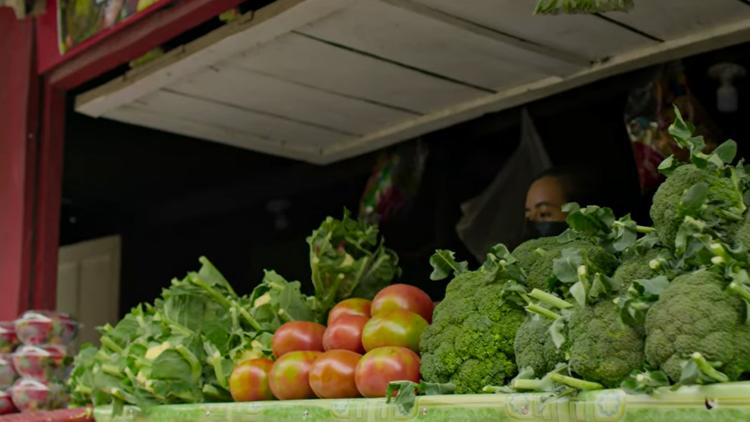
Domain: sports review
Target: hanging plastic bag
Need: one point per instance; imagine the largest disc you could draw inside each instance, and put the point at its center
(497, 214)
(394, 182)
(648, 114)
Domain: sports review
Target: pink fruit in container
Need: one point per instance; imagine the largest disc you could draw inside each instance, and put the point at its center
(45, 327)
(40, 362)
(7, 372)
(6, 404)
(8, 339)
(29, 395)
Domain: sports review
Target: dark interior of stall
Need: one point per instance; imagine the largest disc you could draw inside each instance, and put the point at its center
(173, 198)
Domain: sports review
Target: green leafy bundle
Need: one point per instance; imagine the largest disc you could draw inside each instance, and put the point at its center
(182, 349)
(348, 259)
(553, 7)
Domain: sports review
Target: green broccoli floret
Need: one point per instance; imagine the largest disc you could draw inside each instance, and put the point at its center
(602, 347)
(636, 267)
(470, 340)
(537, 256)
(742, 236)
(534, 347)
(696, 313)
(722, 206)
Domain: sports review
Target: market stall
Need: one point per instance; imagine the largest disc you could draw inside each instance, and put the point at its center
(580, 326)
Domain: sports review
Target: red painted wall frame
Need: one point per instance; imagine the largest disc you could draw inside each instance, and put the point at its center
(30, 222)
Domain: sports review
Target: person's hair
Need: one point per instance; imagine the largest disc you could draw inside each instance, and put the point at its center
(578, 186)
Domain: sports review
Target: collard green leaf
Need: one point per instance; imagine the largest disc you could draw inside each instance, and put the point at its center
(347, 258)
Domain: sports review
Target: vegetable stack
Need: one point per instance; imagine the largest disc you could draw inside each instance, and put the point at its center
(610, 303)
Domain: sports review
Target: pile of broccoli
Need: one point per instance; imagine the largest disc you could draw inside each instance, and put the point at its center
(609, 303)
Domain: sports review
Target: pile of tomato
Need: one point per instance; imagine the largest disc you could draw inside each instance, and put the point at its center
(366, 345)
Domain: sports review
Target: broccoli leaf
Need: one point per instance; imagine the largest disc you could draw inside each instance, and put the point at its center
(444, 265)
(406, 393)
(644, 382)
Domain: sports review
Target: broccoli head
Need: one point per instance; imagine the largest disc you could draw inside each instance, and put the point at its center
(601, 347)
(470, 340)
(723, 203)
(696, 313)
(636, 267)
(537, 256)
(534, 347)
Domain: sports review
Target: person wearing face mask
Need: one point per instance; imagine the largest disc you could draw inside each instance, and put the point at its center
(544, 200)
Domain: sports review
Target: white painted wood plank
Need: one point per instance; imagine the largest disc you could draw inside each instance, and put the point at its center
(696, 43)
(582, 34)
(252, 90)
(224, 115)
(300, 59)
(407, 37)
(669, 19)
(142, 116)
(270, 22)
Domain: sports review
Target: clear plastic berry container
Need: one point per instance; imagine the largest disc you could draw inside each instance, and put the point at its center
(8, 338)
(7, 371)
(6, 403)
(45, 327)
(30, 395)
(44, 363)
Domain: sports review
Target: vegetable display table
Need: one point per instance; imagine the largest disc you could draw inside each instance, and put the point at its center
(719, 402)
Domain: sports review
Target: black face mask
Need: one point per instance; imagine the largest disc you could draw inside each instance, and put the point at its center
(537, 229)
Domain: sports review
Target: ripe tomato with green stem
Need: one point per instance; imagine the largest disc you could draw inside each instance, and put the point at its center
(403, 296)
(296, 336)
(383, 365)
(249, 380)
(332, 375)
(395, 328)
(351, 306)
(345, 333)
(289, 376)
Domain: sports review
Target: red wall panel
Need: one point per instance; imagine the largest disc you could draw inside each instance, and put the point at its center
(17, 155)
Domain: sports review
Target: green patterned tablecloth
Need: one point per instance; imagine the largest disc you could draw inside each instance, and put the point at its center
(720, 402)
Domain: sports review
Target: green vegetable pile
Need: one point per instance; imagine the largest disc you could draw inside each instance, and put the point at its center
(609, 303)
(182, 348)
(553, 7)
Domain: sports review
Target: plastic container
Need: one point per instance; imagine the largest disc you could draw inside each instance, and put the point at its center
(45, 327)
(8, 339)
(7, 371)
(6, 403)
(30, 395)
(43, 363)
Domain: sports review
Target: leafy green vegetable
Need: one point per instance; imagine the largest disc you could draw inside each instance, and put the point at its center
(348, 259)
(406, 393)
(183, 348)
(582, 6)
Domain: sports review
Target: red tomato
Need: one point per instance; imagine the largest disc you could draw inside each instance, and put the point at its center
(395, 328)
(332, 375)
(289, 376)
(297, 335)
(249, 380)
(345, 333)
(352, 306)
(381, 366)
(403, 296)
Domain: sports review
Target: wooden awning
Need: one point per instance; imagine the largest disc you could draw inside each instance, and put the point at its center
(323, 80)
